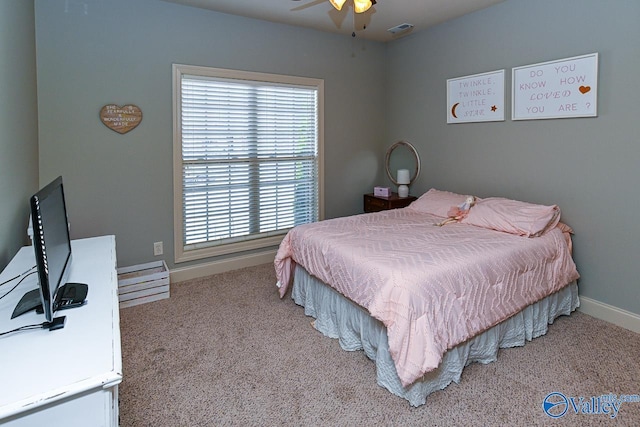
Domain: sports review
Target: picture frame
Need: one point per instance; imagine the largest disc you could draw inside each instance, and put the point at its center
(476, 98)
(562, 88)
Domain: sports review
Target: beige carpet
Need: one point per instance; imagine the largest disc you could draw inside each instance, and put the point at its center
(225, 350)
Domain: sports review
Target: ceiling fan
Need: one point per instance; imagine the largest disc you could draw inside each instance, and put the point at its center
(359, 6)
(338, 14)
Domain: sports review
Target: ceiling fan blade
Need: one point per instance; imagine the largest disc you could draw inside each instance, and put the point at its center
(308, 5)
(362, 20)
(338, 16)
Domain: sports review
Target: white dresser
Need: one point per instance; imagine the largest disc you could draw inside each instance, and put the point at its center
(67, 377)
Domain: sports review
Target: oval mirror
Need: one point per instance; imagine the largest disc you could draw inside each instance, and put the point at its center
(404, 177)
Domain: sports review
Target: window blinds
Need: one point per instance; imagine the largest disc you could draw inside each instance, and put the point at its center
(249, 159)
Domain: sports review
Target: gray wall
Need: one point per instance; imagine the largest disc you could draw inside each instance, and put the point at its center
(18, 124)
(588, 166)
(121, 52)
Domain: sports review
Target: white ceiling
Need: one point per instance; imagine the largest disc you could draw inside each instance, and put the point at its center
(319, 14)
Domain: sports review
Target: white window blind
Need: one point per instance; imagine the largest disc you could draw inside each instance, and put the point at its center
(249, 156)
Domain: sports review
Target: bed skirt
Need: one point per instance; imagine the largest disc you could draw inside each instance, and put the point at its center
(338, 317)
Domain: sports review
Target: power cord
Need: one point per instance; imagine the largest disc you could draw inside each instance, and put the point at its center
(56, 323)
(25, 328)
(24, 276)
(19, 275)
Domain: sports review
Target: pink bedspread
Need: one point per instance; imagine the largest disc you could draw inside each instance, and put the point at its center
(432, 287)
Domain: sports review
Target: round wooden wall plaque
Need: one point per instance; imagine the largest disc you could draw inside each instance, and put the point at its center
(121, 119)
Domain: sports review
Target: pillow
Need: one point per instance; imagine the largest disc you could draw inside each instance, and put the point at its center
(566, 232)
(512, 216)
(437, 202)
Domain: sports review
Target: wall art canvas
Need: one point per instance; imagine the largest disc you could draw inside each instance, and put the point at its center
(476, 98)
(556, 89)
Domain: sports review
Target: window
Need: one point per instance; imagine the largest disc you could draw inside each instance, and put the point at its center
(247, 159)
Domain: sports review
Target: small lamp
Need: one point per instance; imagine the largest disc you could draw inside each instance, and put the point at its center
(403, 180)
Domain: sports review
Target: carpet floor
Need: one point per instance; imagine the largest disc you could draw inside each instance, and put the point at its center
(225, 350)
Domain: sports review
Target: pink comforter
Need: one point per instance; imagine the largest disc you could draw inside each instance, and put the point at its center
(432, 287)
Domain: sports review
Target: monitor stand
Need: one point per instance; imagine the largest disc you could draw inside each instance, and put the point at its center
(69, 295)
(29, 301)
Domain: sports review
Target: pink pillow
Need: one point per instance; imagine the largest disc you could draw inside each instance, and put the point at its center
(437, 202)
(512, 216)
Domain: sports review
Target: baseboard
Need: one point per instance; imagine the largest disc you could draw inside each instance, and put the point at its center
(610, 314)
(207, 269)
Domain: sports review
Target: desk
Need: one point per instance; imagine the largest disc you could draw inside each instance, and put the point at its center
(67, 377)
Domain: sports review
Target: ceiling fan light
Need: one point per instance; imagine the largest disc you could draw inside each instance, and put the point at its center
(360, 6)
(338, 3)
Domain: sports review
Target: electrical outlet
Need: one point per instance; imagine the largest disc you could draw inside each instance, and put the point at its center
(157, 248)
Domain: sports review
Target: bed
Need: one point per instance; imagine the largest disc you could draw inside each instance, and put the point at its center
(423, 301)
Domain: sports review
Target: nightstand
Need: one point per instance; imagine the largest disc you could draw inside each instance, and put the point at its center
(378, 203)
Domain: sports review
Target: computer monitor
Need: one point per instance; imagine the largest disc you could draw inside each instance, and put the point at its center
(52, 248)
(51, 242)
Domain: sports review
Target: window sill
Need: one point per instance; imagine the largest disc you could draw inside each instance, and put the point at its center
(213, 251)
